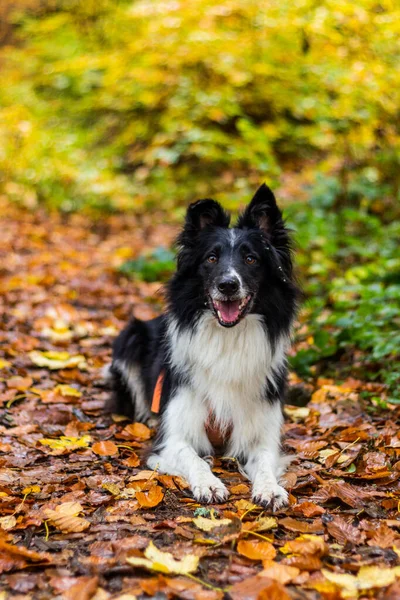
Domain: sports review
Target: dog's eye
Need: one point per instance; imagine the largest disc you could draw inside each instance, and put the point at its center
(250, 260)
(212, 258)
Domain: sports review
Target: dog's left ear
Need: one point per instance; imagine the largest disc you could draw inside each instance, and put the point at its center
(262, 212)
(205, 213)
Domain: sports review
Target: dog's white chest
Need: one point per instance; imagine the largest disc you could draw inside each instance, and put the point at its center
(228, 367)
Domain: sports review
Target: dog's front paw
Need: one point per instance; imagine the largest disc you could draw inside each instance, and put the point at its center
(209, 489)
(270, 496)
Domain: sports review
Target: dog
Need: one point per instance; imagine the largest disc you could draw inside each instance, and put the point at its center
(216, 359)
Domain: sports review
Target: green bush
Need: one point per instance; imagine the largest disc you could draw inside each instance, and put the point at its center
(117, 104)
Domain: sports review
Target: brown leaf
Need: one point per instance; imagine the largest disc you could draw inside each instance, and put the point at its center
(151, 497)
(344, 532)
(278, 571)
(19, 383)
(302, 526)
(256, 549)
(253, 587)
(309, 509)
(84, 589)
(304, 563)
(17, 557)
(384, 537)
(65, 518)
(306, 544)
(106, 448)
(132, 461)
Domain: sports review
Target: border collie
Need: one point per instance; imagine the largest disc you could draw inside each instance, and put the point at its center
(216, 358)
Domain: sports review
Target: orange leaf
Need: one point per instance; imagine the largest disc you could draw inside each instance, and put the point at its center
(241, 488)
(132, 461)
(136, 431)
(278, 571)
(256, 550)
(19, 383)
(150, 498)
(106, 448)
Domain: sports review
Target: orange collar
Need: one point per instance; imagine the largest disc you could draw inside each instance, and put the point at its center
(213, 432)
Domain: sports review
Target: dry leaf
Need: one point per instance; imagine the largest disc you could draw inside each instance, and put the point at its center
(164, 562)
(209, 524)
(306, 544)
(57, 360)
(278, 571)
(136, 431)
(256, 549)
(66, 444)
(106, 448)
(151, 497)
(65, 518)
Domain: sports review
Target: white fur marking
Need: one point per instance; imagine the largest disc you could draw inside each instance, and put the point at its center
(133, 379)
(227, 370)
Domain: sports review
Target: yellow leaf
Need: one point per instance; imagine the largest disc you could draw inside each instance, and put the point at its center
(67, 390)
(263, 524)
(32, 489)
(8, 522)
(4, 363)
(164, 562)
(210, 524)
(57, 360)
(65, 443)
(111, 487)
(368, 578)
(297, 413)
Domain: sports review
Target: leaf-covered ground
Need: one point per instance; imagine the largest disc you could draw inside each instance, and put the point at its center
(81, 516)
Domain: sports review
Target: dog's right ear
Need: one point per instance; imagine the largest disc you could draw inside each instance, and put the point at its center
(205, 213)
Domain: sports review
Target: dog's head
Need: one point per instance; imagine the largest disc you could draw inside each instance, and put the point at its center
(235, 271)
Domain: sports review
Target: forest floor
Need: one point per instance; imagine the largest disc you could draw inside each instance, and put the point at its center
(82, 517)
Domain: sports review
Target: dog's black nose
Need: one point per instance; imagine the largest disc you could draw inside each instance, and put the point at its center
(228, 286)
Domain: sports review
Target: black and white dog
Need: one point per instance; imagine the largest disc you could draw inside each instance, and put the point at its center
(220, 348)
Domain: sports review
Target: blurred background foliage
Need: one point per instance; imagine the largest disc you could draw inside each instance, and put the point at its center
(116, 105)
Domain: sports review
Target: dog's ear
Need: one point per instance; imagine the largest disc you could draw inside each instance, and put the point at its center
(205, 213)
(262, 212)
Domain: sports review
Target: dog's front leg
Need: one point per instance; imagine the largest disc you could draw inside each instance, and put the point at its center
(182, 437)
(265, 462)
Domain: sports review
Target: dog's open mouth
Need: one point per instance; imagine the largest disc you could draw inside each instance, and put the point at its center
(229, 312)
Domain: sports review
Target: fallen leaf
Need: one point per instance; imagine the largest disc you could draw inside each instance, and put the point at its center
(164, 562)
(209, 524)
(302, 526)
(19, 383)
(278, 571)
(151, 497)
(136, 431)
(57, 360)
(256, 549)
(106, 448)
(8, 522)
(17, 557)
(65, 443)
(306, 544)
(258, 588)
(65, 518)
(241, 488)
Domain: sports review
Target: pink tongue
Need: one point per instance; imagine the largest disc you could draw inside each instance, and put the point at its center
(229, 311)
